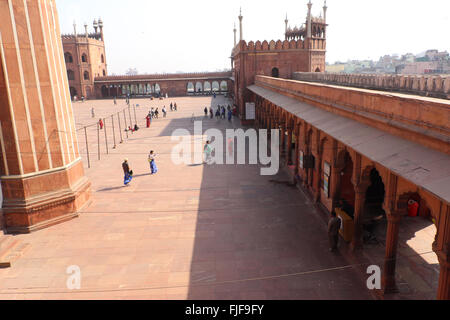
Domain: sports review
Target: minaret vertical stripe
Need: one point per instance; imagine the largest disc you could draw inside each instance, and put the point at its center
(2, 141)
(65, 82)
(13, 120)
(57, 95)
(38, 85)
(52, 81)
(24, 89)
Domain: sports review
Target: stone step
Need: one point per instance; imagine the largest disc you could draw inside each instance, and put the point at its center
(11, 251)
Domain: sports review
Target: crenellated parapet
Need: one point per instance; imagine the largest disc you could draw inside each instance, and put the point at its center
(80, 37)
(425, 85)
(279, 45)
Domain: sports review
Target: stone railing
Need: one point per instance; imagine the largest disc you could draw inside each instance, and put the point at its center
(437, 86)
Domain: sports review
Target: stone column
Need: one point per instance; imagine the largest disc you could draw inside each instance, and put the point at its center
(41, 170)
(360, 198)
(316, 184)
(441, 246)
(388, 278)
(289, 146)
(444, 274)
(317, 188)
(297, 148)
(335, 184)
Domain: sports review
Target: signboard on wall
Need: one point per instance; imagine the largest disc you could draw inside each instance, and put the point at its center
(250, 111)
(301, 159)
(327, 169)
(326, 185)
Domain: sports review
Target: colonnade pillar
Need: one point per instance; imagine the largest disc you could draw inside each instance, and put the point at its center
(441, 247)
(390, 259)
(444, 274)
(297, 131)
(360, 198)
(317, 188)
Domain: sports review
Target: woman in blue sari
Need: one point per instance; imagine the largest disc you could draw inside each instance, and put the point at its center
(127, 172)
(151, 160)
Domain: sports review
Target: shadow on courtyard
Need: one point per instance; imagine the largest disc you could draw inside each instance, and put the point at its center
(256, 239)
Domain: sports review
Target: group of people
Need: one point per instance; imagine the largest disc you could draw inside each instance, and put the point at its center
(173, 107)
(128, 173)
(154, 113)
(220, 113)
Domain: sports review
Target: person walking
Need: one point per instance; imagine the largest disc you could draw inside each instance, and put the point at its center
(207, 151)
(171, 106)
(152, 113)
(206, 112)
(218, 114)
(175, 107)
(115, 101)
(230, 115)
(100, 123)
(151, 160)
(334, 225)
(156, 113)
(211, 112)
(164, 111)
(93, 113)
(149, 120)
(223, 113)
(128, 174)
(235, 111)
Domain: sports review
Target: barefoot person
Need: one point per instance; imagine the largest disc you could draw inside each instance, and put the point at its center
(333, 231)
(151, 160)
(207, 151)
(128, 174)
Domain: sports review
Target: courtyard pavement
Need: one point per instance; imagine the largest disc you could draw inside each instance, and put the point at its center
(188, 232)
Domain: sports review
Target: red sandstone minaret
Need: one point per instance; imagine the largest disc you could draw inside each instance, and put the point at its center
(41, 170)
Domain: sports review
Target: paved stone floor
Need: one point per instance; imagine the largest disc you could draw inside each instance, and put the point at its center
(189, 232)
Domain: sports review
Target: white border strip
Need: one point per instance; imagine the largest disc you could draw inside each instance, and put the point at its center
(34, 174)
(2, 141)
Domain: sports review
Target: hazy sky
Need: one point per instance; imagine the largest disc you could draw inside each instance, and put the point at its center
(174, 35)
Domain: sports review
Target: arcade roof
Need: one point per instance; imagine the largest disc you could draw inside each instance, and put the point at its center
(418, 164)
